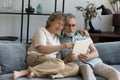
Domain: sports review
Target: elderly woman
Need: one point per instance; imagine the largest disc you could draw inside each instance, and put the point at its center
(41, 57)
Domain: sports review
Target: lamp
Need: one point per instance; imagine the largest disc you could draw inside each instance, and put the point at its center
(105, 11)
(115, 20)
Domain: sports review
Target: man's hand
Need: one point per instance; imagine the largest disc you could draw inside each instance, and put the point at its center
(69, 57)
(83, 57)
(84, 32)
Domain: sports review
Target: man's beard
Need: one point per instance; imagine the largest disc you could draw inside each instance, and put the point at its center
(70, 34)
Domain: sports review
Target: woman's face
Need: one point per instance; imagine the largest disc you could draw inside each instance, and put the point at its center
(56, 26)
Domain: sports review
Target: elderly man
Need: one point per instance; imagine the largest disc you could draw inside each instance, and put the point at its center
(89, 63)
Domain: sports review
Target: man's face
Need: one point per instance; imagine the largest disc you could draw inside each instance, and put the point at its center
(70, 28)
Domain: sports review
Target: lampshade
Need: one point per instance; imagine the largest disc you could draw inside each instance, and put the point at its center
(105, 11)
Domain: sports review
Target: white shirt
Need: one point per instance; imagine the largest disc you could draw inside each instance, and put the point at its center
(43, 37)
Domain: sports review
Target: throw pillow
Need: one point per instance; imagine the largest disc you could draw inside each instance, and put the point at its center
(12, 57)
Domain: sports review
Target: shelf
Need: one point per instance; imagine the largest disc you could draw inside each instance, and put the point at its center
(9, 13)
(8, 38)
(37, 14)
(22, 13)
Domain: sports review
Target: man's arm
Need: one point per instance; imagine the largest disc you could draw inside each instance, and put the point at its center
(92, 54)
(84, 32)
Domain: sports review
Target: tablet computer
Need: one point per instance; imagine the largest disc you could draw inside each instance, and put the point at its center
(80, 46)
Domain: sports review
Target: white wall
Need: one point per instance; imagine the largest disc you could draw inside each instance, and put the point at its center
(10, 24)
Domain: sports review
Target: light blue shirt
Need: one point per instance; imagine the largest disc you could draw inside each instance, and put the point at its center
(76, 37)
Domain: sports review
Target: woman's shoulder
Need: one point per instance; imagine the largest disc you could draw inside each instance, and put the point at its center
(41, 29)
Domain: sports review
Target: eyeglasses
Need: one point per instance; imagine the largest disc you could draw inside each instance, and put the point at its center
(70, 25)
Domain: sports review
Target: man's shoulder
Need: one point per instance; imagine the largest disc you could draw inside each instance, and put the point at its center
(77, 35)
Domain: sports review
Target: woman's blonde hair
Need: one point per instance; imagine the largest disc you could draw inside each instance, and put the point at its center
(55, 16)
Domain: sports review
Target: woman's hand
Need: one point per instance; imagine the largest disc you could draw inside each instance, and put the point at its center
(67, 45)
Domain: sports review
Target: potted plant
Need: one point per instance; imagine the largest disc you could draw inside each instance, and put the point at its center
(115, 6)
(89, 13)
(116, 14)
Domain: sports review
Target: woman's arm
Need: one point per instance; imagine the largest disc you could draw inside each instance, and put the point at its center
(49, 49)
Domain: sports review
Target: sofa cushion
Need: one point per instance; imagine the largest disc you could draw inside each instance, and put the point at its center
(109, 52)
(12, 57)
(9, 77)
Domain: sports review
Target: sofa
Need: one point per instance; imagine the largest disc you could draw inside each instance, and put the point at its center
(12, 57)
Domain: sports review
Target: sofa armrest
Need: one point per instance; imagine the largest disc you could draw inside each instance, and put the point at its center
(109, 52)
